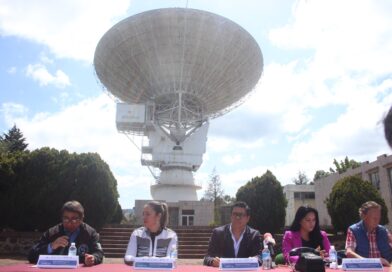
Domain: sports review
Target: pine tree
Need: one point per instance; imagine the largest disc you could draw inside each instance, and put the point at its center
(13, 140)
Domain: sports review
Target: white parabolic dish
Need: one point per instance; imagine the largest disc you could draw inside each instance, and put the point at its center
(183, 66)
(154, 55)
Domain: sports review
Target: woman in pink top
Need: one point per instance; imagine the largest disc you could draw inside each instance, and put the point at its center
(305, 232)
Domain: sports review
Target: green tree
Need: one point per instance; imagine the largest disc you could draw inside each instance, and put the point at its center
(265, 197)
(302, 179)
(347, 196)
(214, 192)
(320, 174)
(36, 184)
(13, 141)
(3, 146)
(118, 216)
(344, 165)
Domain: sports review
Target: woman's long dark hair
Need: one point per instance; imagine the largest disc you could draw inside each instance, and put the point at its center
(315, 235)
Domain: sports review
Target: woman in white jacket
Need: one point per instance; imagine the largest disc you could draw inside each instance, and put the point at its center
(154, 238)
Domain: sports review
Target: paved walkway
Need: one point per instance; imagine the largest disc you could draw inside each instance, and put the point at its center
(8, 260)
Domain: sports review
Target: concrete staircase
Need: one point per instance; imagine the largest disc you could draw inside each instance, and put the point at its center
(193, 240)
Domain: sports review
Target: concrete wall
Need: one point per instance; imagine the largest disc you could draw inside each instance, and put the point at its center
(203, 216)
(382, 166)
(12, 242)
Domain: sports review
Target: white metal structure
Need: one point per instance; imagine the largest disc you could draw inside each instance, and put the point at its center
(174, 69)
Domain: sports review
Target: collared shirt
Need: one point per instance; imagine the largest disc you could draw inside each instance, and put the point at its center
(351, 242)
(237, 243)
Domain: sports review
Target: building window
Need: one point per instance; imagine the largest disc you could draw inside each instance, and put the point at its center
(304, 195)
(187, 217)
(375, 179)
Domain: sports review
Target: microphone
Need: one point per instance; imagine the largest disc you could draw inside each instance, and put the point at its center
(269, 241)
(63, 248)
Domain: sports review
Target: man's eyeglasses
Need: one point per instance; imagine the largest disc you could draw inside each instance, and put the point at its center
(71, 220)
(239, 215)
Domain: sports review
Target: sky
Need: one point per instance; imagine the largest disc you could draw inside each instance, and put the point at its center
(325, 88)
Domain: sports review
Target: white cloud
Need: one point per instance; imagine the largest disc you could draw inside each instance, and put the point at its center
(13, 112)
(231, 159)
(11, 70)
(333, 54)
(344, 38)
(88, 126)
(45, 59)
(40, 73)
(69, 28)
(347, 64)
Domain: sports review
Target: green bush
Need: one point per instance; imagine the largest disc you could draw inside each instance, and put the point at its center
(347, 196)
(34, 186)
(265, 197)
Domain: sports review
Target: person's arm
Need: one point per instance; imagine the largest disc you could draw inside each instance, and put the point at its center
(287, 245)
(213, 253)
(40, 248)
(131, 249)
(326, 243)
(256, 244)
(173, 241)
(389, 239)
(351, 244)
(95, 255)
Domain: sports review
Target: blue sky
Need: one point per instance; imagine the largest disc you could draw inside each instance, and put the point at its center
(326, 85)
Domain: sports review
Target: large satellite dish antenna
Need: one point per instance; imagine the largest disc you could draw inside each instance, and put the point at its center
(174, 69)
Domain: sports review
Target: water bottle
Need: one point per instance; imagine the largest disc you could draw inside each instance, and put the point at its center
(266, 258)
(72, 250)
(333, 258)
(174, 252)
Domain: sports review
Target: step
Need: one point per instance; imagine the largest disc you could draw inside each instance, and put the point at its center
(126, 238)
(197, 234)
(114, 250)
(193, 241)
(114, 255)
(127, 231)
(114, 245)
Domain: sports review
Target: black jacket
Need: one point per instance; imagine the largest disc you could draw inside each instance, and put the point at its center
(221, 244)
(86, 242)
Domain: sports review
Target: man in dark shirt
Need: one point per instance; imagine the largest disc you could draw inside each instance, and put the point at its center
(57, 239)
(235, 240)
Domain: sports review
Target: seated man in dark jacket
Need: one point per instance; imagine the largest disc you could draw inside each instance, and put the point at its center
(235, 240)
(57, 239)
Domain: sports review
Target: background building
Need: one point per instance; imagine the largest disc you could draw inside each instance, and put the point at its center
(378, 172)
(297, 195)
(182, 213)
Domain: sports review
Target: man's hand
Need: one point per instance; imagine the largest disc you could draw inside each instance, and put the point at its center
(216, 262)
(62, 241)
(89, 260)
